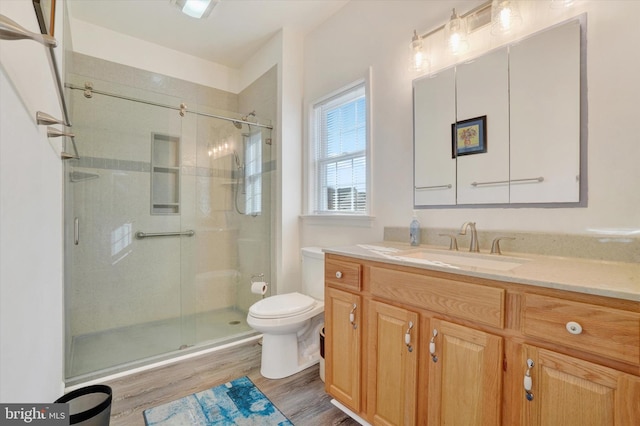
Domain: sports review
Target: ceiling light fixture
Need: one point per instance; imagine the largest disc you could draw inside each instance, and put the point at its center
(195, 8)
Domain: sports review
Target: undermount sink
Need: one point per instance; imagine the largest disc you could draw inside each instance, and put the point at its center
(461, 259)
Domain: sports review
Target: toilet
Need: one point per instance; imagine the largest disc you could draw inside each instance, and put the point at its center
(291, 322)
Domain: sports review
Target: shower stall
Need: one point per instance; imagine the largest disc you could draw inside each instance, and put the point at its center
(168, 216)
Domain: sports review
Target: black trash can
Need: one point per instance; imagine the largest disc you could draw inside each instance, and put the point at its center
(89, 406)
(322, 354)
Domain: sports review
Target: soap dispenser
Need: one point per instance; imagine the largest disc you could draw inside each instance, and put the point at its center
(414, 230)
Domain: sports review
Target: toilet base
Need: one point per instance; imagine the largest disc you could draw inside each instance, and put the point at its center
(287, 354)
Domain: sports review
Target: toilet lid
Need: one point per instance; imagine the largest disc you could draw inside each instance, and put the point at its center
(282, 305)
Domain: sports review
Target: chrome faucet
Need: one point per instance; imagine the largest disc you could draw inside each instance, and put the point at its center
(474, 235)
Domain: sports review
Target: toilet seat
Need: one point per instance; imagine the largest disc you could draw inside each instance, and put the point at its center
(282, 306)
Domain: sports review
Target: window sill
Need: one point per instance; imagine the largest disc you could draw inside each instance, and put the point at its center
(338, 220)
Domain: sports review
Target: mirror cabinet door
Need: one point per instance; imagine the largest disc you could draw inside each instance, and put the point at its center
(433, 113)
(482, 90)
(545, 116)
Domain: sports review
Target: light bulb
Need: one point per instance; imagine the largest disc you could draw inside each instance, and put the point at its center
(456, 34)
(418, 61)
(504, 16)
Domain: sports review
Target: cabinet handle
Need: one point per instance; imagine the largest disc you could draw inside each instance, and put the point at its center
(574, 327)
(432, 346)
(352, 316)
(338, 274)
(528, 383)
(497, 182)
(420, 188)
(407, 337)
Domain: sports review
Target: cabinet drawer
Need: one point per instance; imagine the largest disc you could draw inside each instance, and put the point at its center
(342, 274)
(605, 331)
(484, 305)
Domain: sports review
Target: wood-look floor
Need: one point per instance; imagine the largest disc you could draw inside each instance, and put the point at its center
(300, 397)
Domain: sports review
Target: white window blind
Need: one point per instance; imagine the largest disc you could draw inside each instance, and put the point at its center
(339, 155)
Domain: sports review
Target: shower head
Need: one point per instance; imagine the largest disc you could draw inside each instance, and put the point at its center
(236, 157)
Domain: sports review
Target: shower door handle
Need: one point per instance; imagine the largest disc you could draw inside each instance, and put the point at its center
(76, 231)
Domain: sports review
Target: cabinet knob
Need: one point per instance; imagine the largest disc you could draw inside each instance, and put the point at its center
(338, 274)
(574, 327)
(352, 316)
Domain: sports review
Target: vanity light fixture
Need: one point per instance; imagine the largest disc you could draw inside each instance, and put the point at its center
(505, 16)
(456, 34)
(456, 31)
(418, 61)
(195, 8)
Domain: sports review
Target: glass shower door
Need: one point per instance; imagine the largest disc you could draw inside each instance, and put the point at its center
(123, 266)
(232, 246)
(168, 221)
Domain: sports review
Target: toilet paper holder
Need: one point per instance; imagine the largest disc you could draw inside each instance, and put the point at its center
(258, 285)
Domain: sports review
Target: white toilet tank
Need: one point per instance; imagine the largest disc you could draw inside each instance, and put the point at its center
(313, 272)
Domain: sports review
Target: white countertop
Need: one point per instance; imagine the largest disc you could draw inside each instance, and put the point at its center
(604, 278)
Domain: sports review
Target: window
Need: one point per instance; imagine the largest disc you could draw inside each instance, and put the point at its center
(338, 169)
(253, 174)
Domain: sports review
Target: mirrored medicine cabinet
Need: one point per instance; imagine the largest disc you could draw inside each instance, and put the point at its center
(504, 129)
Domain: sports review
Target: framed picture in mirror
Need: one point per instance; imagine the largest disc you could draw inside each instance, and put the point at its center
(469, 136)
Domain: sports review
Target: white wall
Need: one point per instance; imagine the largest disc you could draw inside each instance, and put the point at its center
(102, 43)
(31, 301)
(377, 34)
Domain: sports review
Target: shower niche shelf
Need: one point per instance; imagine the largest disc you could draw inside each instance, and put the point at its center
(165, 174)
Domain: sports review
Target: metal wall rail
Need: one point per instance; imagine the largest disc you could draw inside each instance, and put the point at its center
(182, 108)
(142, 235)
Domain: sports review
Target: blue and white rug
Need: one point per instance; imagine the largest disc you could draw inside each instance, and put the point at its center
(236, 403)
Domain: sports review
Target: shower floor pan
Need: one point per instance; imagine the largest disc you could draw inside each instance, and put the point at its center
(120, 349)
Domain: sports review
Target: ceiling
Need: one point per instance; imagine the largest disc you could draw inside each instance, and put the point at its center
(235, 30)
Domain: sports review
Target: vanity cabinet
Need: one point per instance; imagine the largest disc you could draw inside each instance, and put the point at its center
(412, 346)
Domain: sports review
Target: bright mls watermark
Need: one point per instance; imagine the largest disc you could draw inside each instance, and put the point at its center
(34, 414)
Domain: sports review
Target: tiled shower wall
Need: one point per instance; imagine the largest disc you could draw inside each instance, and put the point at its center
(118, 280)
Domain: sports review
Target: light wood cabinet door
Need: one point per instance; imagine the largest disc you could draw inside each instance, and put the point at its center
(343, 340)
(393, 363)
(571, 392)
(465, 377)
